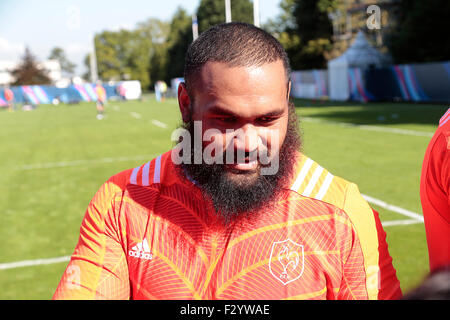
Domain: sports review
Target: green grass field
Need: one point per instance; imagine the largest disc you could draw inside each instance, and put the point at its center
(53, 160)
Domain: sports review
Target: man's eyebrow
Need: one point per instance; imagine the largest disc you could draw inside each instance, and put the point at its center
(223, 112)
(220, 111)
(274, 113)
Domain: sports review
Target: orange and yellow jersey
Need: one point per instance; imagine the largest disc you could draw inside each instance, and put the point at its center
(101, 93)
(149, 233)
(313, 181)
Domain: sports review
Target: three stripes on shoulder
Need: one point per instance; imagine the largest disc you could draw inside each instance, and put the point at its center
(312, 180)
(150, 173)
(317, 186)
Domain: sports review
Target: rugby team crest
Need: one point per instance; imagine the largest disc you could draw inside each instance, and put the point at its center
(287, 261)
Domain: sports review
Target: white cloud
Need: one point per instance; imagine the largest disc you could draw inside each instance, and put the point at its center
(76, 48)
(10, 49)
(122, 26)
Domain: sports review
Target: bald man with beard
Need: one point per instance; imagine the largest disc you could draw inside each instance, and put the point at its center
(234, 210)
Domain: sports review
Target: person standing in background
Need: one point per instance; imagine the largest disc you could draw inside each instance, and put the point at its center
(101, 100)
(435, 195)
(9, 97)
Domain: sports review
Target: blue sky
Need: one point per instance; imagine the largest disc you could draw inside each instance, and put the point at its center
(44, 24)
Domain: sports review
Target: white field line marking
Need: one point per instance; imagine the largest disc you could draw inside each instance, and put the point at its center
(371, 127)
(416, 219)
(136, 115)
(29, 263)
(399, 222)
(390, 207)
(74, 163)
(159, 123)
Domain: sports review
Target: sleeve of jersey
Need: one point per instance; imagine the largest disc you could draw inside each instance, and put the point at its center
(353, 282)
(98, 267)
(445, 173)
(435, 186)
(381, 278)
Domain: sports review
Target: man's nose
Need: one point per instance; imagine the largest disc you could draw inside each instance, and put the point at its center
(246, 138)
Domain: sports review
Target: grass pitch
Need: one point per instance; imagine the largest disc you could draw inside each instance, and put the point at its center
(53, 159)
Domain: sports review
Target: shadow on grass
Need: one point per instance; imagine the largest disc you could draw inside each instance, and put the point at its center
(382, 113)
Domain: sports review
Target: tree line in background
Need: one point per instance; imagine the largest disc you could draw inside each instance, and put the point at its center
(154, 50)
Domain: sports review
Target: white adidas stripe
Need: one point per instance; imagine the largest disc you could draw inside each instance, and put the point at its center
(145, 174)
(157, 175)
(133, 177)
(326, 184)
(312, 183)
(444, 122)
(301, 177)
(443, 117)
(324, 188)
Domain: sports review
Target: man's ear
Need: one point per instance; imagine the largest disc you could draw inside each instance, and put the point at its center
(289, 90)
(184, 102)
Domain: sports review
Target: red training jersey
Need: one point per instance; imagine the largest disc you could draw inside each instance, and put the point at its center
(435, 195)
(149, 233)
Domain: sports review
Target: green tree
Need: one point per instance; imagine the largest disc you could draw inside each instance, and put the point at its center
(138, 54)
(59, 54)
(123, 55)
(284, 22)
(28, 71)
(212, 12)
(158, 31)
(178, 41)
(305, 31)
(158, 63)
(283, 27)
(422, 32)
(314, 30)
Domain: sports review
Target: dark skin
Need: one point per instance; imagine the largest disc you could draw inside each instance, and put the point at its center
(246, 106)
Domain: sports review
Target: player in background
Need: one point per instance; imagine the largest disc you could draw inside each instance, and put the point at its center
(9, 97)
(160, 90)
(163, 89)
(196, 230)
(122, 91)
(435, 195)
(101, 100)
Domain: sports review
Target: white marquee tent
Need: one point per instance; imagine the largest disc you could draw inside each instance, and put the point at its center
(361, 54)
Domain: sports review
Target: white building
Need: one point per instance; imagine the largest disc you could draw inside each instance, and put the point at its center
(361, 54)
(52, 67)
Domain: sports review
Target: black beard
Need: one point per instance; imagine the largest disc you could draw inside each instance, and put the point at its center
(245, 198)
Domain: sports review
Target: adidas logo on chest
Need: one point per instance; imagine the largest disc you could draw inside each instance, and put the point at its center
(141, 251)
